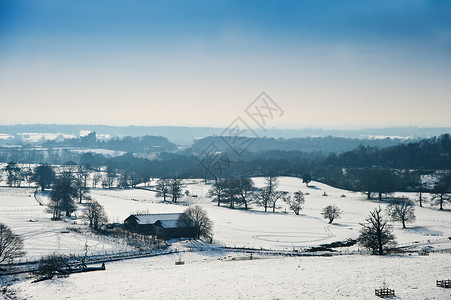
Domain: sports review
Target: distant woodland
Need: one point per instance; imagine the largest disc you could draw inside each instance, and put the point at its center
(325, 159)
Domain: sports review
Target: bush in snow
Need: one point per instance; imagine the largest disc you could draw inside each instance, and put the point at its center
(53, 264)
(331, 212)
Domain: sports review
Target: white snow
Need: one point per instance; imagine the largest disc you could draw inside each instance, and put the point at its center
(106, 152)
(254, 228)
(26, 217)
(5, 136)
(38, 136)
(205, 276)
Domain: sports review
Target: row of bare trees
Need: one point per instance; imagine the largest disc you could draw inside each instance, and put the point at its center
(170, 188)
(242, 191)
(43, 175)
(68, 189)
(14, 175)
(384, 182)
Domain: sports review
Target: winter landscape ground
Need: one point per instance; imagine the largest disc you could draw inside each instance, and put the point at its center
(113, 108)
(212, 271)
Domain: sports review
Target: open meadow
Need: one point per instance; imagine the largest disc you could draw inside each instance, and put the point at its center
(216, 272)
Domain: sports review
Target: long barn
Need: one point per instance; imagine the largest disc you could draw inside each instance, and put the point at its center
(165, 226)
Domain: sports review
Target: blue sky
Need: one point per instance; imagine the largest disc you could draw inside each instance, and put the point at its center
(326, 63)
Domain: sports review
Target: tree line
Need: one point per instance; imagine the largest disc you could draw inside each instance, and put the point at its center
(426, 155)
(143, 144)
(129, 171)
(324, 145)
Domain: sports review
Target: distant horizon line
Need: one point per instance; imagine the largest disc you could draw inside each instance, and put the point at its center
(217, 127)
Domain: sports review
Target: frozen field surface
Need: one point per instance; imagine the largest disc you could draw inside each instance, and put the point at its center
(281, 230)
(207, 275)
(204, 276)
(26, 217)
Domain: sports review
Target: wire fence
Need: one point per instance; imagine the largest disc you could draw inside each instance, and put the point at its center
(425, 242)
(31, 265)
(26, 266)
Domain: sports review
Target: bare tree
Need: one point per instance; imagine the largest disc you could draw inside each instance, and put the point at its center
(82, 259)
(421, 189)
(96, 179)
(53, 264)
(162, 188)
(14, 174)
(81, 184)
(217, 191)
(43, 175)
(421, 198)
(62, 196)
(296, 202)
(105, 183)
(11, 245)
(376, 233)
(276, 195)
(231, 193)
(195, 216)
(402, 210)
(442, 191)
(381, 182)
(331, 212)
(245, 188)
(28, 176)
(134, 178)
(83, 174)
(267, 192)
(123, 179)
(110, 176)
(307, 178)
(95, 214)
(176, 188)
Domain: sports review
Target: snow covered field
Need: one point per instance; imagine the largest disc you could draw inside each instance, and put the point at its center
(105, 152)
(280, 230)
(20, 211)
(206, 276)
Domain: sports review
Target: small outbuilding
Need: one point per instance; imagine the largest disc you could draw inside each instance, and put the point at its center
(165, 226)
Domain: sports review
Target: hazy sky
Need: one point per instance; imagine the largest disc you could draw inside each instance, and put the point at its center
(343, 64)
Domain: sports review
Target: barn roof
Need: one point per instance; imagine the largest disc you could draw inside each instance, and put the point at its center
(166, 220)
(168, 223)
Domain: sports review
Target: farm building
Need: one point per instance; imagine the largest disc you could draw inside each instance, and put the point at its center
(165, 226)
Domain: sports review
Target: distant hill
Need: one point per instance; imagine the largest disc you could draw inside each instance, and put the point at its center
(432, 153)
(143, 144)
(325, 145)
(185, 136)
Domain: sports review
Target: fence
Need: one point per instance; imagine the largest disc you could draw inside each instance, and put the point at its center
(384, 293)
(443, 283)
(32, 265)
(296, 252)
(425, 242)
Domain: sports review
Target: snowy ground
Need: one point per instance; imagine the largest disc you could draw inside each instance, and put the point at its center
(204, 276)
(20, 211)
(105, 152)
(280, 230)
